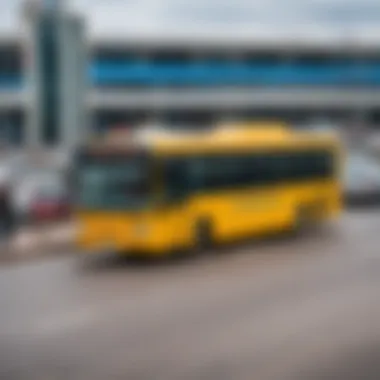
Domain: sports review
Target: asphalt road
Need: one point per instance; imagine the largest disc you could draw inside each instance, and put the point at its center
(306, 307)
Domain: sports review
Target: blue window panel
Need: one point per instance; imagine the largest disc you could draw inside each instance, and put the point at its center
(10, 82)
(234, 73)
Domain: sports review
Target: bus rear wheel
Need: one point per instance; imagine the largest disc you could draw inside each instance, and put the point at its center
(203, 236)
(304, 219)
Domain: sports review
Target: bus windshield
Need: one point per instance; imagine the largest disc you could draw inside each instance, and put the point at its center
(114, 183)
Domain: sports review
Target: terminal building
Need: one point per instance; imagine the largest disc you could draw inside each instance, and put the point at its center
(197, 80)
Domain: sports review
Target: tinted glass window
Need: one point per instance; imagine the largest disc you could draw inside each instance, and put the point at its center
(50, 80)
(226, 172)
(114, 182)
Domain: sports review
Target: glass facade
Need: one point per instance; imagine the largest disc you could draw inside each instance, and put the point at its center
(181, 68)
(137, 68)
(12, 127)
(10, 67)
(50, 80)
(12, 118)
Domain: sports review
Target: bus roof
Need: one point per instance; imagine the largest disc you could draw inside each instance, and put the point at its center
(237, 137)
(225, 137)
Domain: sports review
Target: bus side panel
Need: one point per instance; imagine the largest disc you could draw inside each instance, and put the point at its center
(149, 232)
(234, 214)
(321, 199)
(172, 228)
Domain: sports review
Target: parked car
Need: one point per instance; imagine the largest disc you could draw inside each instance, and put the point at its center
(320, 125)
(361, 179)
(50, 204)
(43, 196)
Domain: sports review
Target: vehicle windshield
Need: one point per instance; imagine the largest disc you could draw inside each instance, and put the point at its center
(114, 183)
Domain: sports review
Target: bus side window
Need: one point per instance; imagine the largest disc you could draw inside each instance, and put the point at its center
(326, 165)
(175, 179)
(196, 174)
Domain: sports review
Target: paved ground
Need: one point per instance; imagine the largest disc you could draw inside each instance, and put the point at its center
(34, 242)
(301, 308)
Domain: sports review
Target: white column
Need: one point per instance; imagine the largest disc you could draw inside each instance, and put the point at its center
(73, 123)
(32, 78)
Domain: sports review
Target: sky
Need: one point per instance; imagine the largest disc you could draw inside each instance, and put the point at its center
(252, 16)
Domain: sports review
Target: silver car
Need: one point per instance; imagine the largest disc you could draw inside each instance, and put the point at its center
(361, 179)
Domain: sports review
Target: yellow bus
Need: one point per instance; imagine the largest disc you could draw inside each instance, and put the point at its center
(164, 192)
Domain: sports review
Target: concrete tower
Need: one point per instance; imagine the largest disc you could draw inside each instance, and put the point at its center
(55, 68)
